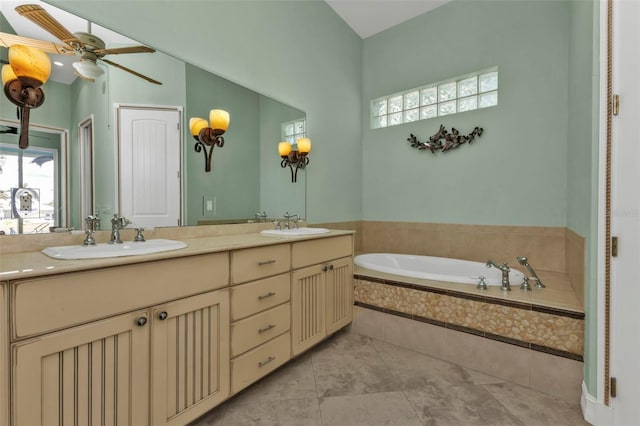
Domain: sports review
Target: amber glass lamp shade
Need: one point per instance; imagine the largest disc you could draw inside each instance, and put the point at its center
(284, 148)
(30, 65)
(304, 145)
(219, 119)
(196, 124)
(8, 74)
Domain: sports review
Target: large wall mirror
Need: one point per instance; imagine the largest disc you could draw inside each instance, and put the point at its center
(77, 128)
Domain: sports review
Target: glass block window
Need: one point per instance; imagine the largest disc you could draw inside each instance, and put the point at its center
(291, 131)
(465, 93)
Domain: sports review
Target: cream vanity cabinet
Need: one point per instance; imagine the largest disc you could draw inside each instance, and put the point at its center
(260, 312)
(4, 354)
(322, 293)
(103, 346)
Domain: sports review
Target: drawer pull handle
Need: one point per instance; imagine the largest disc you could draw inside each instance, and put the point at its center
(267, 328)
(141, 321)
(266, 361)
(264, 296)
(266, 262)
(163, 315)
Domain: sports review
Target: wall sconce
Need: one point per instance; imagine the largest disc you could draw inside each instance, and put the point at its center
(209, 136)
(297, 158)
(28, 69)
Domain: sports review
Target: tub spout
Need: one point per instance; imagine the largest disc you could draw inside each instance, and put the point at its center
(525, 262)
(504, 268)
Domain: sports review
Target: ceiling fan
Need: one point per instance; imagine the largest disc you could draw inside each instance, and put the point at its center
(87, 46)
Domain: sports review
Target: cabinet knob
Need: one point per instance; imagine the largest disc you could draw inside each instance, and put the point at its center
(325, 268)
(163, 315)
(141, 321)
(331, 267)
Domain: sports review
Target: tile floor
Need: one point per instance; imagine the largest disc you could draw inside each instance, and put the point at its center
(352, 380)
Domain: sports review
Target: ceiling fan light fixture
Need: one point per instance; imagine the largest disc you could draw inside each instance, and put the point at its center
(88, 69)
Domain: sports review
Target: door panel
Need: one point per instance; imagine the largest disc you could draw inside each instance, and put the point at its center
(190, 368)
(92, 374)
(149, 166)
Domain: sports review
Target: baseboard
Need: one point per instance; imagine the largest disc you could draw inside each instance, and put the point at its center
(593, 410)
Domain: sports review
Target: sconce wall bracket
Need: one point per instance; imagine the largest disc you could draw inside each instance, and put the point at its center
(297, 159)
(25, 96)
(444, 140)
(206, 140)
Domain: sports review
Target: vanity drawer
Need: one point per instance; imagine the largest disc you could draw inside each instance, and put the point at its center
(253, 331)
(311, 252)
(251, 298)
(51, 303)
(260, 262)
(259, 362)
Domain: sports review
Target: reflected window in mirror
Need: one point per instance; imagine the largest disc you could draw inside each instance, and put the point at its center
(294, 130)
(29, 188)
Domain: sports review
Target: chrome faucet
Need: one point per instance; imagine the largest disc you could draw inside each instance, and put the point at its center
(93, 223)
(288, 217)
(261, 217)
(504, 268)
(524, 262)
(117, 223)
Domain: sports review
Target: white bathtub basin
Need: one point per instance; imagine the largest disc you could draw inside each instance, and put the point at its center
(295, 232)
(435, 268)
(99, 251)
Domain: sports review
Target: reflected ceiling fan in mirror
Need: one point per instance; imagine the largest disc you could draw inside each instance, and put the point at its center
(88, 47)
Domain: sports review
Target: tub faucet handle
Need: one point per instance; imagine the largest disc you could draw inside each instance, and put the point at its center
(525, 284)
(482, 285)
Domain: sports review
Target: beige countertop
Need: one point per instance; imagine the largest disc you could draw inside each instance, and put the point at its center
(19, 265)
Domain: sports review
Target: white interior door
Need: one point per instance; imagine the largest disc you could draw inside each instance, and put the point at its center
(625, 215)
(149, 166)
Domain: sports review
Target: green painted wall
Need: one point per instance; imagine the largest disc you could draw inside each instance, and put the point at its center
(97, 99)
(582, 161)
(235, 168)
(515, 174)
(300, 53)
(277, 193)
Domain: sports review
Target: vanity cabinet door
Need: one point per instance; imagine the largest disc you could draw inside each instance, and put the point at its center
(308, 290)
(190, 357)
(321, 302)
(92, 374)
(339, 294)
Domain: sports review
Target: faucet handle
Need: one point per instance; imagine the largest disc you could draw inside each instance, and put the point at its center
(139, 238)
(482, 285)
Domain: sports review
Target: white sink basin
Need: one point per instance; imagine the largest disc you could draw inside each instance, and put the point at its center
(99, 251)
(295, 232)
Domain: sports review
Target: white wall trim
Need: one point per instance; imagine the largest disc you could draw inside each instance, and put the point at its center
(594, 411)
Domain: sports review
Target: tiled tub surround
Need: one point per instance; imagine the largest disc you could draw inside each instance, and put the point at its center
(555, 250)
(551, 330)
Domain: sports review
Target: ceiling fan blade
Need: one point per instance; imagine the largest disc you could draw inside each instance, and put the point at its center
(41, 17)
(7, 40)
(121, 50)
(149, 79)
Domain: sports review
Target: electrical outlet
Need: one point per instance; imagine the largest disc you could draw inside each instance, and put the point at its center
(208, 205)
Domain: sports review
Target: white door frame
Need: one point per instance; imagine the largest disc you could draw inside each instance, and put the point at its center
(82, 146)
(594, 408)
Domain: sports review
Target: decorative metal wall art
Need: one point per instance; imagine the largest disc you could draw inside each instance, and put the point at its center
(444, 140)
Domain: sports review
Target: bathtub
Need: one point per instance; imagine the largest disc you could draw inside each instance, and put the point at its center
(435, 268)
